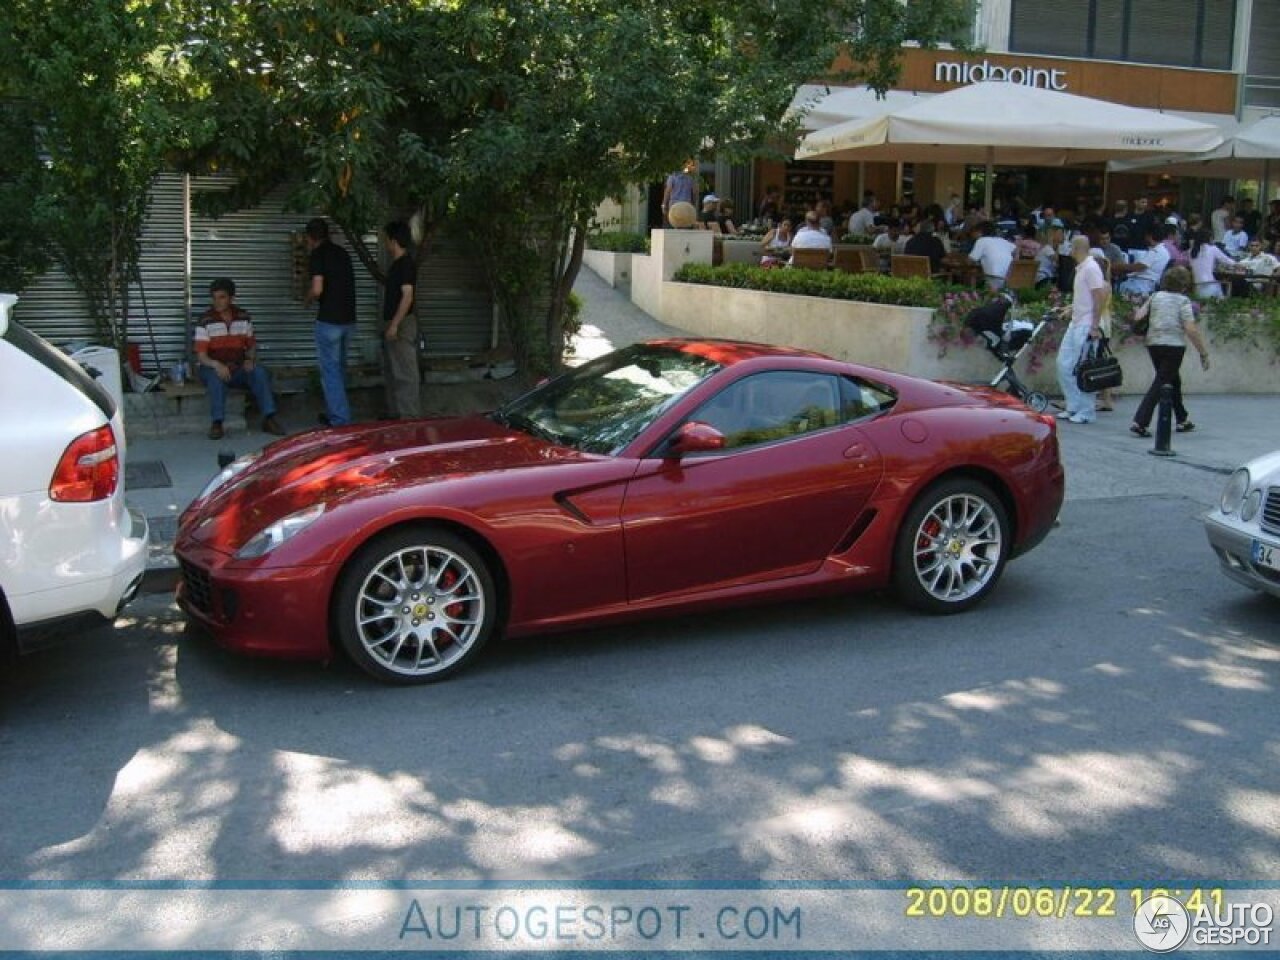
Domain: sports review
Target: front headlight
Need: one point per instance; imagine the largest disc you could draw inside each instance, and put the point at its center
(264, 541)
(1251, 505)
(228, 472)
(1235, 490)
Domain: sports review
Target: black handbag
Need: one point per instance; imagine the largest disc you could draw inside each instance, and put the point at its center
(1098, 368)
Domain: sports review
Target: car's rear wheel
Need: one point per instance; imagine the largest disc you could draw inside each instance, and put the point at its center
(415, 605)
(951, 547)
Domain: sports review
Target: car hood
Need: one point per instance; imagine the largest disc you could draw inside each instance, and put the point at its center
(1264, 469)
(334, 466)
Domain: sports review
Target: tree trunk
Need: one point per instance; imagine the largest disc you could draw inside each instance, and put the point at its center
(560, 293)
(368, 257)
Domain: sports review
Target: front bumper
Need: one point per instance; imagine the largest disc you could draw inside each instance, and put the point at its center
(1232, 541)
(262, 611)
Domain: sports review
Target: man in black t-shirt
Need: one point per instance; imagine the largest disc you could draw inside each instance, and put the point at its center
(400, 326)
(333, 287)
(1143, 224)
(925, 243)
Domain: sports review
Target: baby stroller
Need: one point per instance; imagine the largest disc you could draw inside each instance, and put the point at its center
(1006, 338)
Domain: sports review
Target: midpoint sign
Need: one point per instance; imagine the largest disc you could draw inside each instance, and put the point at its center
(950, 71)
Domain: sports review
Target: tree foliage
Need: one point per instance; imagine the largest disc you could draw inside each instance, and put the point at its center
(93, 87)
(515, 118)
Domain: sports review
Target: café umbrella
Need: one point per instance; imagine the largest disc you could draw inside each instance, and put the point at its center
(1245, 155)
(995, 122)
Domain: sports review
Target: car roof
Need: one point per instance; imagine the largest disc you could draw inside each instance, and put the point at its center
(729, 352)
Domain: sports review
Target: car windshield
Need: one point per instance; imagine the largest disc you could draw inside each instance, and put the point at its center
(603, 405)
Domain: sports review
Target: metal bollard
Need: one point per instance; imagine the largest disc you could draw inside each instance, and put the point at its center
(1164, 424)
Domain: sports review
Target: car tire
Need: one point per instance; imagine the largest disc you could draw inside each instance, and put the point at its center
(8, 633)
(952, 547)
(415, 605)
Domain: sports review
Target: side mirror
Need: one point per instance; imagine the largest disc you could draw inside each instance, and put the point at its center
(696, 437)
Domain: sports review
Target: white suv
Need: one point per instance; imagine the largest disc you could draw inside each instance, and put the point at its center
(71, 553)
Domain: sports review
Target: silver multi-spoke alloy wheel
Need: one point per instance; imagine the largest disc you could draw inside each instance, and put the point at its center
(952, 546)
(957, 546)
(415, 606)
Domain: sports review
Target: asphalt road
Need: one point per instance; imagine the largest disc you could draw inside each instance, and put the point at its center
(1108, 715)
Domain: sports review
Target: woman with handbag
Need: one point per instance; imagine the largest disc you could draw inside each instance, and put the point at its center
(1170, 322)
(1089, 292)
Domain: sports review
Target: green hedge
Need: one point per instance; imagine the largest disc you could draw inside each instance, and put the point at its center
(835, 284)
(618, 241)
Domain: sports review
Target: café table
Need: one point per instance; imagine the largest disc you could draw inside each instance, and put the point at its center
(1265, 283)
(960, 269)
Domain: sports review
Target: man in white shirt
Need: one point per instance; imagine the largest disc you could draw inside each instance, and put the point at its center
(1259, 261)
(811, 236)
(863, 221)
(954, 214)
(1220, 219)
(1150, 265)
(1260, 264)
(994, 253)
(1236, 241)
(1088, 297)
(891, 242)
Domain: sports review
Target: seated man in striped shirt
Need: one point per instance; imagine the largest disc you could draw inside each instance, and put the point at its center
(226, 354)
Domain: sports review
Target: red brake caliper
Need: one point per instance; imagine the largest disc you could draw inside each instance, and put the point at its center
(929, 534)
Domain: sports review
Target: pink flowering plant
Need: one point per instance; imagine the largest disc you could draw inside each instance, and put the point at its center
(948, 329)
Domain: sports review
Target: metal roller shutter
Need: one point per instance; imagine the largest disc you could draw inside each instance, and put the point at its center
(454, 304)
(254, 247)
(52, 307)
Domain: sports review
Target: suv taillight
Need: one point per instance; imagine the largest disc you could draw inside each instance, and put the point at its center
(89, 469)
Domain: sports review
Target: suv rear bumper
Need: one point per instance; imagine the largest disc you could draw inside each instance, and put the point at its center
(89, 601)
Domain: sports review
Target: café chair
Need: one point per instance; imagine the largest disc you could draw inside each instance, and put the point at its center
(810, 259)
(908, 265)
(1021, 275)
(849, 259)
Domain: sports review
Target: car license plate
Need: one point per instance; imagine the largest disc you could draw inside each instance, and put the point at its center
(1265, 556)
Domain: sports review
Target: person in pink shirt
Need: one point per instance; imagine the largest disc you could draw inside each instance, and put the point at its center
(1205, 258)
(1177, 256)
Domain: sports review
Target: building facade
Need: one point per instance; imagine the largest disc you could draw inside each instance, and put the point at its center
(1211, 60)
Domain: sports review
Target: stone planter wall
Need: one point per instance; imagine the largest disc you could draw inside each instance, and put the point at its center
(613, 268)
(669, 251)
(896, 338)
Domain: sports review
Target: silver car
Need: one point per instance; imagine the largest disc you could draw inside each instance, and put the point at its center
(1244, 529)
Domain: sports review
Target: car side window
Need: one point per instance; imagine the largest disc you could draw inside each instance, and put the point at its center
(772, 406)
(860, 399)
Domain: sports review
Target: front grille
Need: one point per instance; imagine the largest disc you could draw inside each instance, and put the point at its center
(198, 589)
(1271, 511)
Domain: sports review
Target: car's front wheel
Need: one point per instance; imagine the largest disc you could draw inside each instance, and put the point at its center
(415, 605)
(952, 546)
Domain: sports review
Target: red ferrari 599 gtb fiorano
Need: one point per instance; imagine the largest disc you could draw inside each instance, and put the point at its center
(670, 475)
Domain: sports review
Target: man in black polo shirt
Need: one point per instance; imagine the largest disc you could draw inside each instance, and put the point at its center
(333, 286)
(400, 330)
